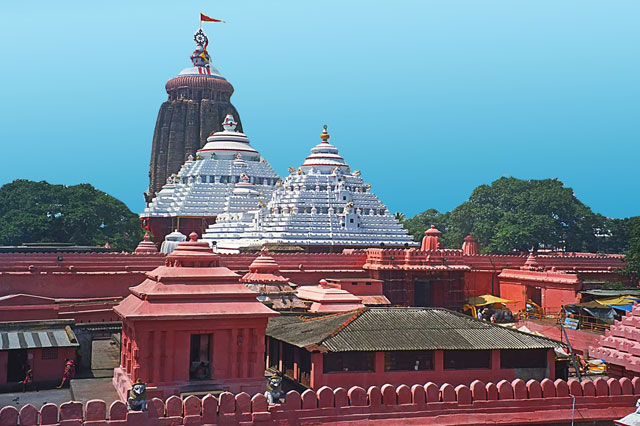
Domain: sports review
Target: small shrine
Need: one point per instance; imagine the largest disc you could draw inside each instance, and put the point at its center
(328, 297)
(273, 289)
(192, 326)
(146, 245)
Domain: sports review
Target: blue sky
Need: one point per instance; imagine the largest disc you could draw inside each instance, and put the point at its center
(428, 98)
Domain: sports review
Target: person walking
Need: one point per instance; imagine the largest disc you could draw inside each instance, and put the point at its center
(66, 376)
(28, 379)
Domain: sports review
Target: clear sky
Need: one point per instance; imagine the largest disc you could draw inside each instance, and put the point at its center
(428, 98)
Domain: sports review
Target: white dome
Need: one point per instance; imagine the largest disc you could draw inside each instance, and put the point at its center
(229, 144)
(324, 157)
(205, 71)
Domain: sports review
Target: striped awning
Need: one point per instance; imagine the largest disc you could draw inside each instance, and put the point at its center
(42, 338)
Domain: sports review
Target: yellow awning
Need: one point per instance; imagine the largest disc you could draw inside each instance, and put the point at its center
(622, 300)
(487, 299)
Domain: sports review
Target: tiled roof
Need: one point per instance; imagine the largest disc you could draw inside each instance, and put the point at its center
(388, 329)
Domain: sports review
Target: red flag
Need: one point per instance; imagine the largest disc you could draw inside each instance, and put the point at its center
(205, 18)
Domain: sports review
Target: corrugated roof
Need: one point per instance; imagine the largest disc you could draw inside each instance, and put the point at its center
(301, 330)
(36, 334)
(389, 329)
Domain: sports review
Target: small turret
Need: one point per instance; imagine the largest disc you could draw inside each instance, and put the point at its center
(532, 263)
(431, 239)
(470, 246)
(146, 245)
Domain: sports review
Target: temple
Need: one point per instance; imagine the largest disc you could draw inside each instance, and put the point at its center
(226, 175)
(321, 206)
(199, 99)
(308, 278)
(194, 303)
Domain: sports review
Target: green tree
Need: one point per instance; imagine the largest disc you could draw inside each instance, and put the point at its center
(41, 212)
(518, 215)
(420, 222)
(632, 257)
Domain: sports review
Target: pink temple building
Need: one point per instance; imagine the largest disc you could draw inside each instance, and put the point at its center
(192, 325)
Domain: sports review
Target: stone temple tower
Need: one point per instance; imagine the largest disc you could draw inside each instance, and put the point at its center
(199, 100)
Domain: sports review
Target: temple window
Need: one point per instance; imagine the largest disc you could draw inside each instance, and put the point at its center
(348, 362)
(408, 360)
(529, 358)
(49, 353)
(467, 360)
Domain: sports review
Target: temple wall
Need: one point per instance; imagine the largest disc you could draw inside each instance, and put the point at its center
(515, 291)
(504, 403)
(76, 275)
(553, 299)
(439, 374)
(478, 283)
(158, 352)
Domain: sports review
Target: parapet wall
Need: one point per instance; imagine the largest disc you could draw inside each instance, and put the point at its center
(504, 403)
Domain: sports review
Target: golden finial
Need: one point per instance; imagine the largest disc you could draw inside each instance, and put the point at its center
(325, 135)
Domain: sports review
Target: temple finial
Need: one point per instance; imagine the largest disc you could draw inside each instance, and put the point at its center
(325, 134)
(229, 124)
(200, 57)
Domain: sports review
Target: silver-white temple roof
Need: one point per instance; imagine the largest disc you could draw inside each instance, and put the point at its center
(203, 185)
(322, 203)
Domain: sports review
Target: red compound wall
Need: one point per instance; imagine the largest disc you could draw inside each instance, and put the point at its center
(504, 403)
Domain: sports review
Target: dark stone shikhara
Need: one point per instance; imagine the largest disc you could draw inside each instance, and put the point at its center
(199, 100)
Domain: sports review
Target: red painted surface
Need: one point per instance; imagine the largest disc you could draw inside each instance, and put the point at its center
(329, 298)
(49, 369)
(4, 359)
(109, 275)
(549, 289)
(44, 370)
(77, 275)
(504, 403)
(439, 375)
(192, 295)
(582, 341)
(478, 283)
(620, 346)
(430, 241)
(369, 290)
(22, 307)
(470, 247)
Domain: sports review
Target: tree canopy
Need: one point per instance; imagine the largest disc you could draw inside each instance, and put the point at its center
(632, 258)
(32, 212)
(518, 215)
